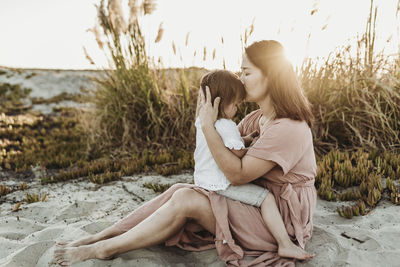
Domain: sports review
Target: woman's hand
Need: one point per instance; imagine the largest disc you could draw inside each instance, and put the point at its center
(208, 113)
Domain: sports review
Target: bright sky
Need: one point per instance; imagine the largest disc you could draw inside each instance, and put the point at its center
(52, 33)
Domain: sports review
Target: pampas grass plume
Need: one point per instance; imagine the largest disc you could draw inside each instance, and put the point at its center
(117, 16)
(160, 33)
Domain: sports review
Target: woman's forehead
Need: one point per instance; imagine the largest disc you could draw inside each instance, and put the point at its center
(246, 64)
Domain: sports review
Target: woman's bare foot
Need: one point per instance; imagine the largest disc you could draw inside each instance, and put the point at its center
(293, 251)
(77, 243)
(69, 255)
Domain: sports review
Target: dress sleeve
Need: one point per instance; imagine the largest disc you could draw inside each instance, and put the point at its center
(229, 133)
(246, 125)
(241, 127)
(284, 143)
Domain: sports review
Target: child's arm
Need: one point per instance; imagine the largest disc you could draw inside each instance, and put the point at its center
(250, 138)
(239, 153)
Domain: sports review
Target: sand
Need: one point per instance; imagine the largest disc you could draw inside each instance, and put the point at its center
(48, 83)
(79, 208)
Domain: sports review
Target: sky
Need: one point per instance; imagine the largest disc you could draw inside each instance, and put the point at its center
(52, 33)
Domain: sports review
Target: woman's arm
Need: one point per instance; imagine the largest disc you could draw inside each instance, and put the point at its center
(237, 171)
(239, 153)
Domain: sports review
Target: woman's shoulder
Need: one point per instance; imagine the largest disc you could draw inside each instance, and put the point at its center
(291, 123)
(251, 117)
(249, 123)
(292, 127)
(252, 114)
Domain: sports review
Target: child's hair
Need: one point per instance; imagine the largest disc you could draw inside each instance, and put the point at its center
(223, 84)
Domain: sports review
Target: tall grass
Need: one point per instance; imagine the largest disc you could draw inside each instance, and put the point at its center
(356, 99)
(133, 106)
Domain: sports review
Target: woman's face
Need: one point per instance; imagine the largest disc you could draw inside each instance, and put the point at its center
(254, 81)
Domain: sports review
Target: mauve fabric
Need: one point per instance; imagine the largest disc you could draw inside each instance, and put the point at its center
(240, 229)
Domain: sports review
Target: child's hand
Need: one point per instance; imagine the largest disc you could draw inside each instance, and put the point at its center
(250, 139)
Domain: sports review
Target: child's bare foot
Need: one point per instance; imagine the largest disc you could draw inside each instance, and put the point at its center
(293, 251)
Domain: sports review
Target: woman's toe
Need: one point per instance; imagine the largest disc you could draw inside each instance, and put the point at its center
(64, 263)
(59, 251)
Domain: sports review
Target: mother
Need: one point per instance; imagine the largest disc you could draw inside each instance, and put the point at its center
(281, 159)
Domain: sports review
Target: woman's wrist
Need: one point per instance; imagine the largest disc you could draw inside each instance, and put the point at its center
(207, 126)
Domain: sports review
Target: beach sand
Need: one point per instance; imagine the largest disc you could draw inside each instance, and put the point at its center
(79, 208)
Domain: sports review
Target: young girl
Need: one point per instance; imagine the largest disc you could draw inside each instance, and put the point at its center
(229, 88)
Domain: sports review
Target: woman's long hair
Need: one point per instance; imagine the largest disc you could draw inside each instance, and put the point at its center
(283, 86)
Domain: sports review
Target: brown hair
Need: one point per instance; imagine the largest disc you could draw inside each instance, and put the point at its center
(283, 87)
(223, 84)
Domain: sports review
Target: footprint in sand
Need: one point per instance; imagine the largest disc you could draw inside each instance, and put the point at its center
(27, 256)
(18, 228)
(76, 210)
(327, 248)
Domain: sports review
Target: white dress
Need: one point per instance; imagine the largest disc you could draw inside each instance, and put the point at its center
(207, 174)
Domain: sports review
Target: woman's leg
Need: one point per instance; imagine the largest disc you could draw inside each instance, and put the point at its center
(184, 204)
(274, 222)
(109, 232)
(131, 220)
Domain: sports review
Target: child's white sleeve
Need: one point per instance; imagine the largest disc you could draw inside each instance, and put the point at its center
(229, 133)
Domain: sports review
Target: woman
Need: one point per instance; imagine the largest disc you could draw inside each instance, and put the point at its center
(281, 159)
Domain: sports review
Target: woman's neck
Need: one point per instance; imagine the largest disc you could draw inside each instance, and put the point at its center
(267, 108)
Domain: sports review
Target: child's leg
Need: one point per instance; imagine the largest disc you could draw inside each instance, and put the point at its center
(258, 196)
(275, 225)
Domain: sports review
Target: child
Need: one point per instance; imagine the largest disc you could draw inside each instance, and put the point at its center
(229, 88)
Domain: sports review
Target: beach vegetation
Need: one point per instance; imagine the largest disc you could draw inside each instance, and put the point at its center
(64, 96)
(104, 170)
(156, 187)
(4, 190)
(11, 98)
(355, 93)
(30, 75)
(32, 198)
(17, 207)
(358, 176)
(50, 141)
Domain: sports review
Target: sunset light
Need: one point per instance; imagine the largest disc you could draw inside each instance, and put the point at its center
(52, 34)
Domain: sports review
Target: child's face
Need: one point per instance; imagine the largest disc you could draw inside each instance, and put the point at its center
(231, 110)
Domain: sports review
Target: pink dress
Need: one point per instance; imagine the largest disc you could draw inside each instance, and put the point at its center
(240, 229)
